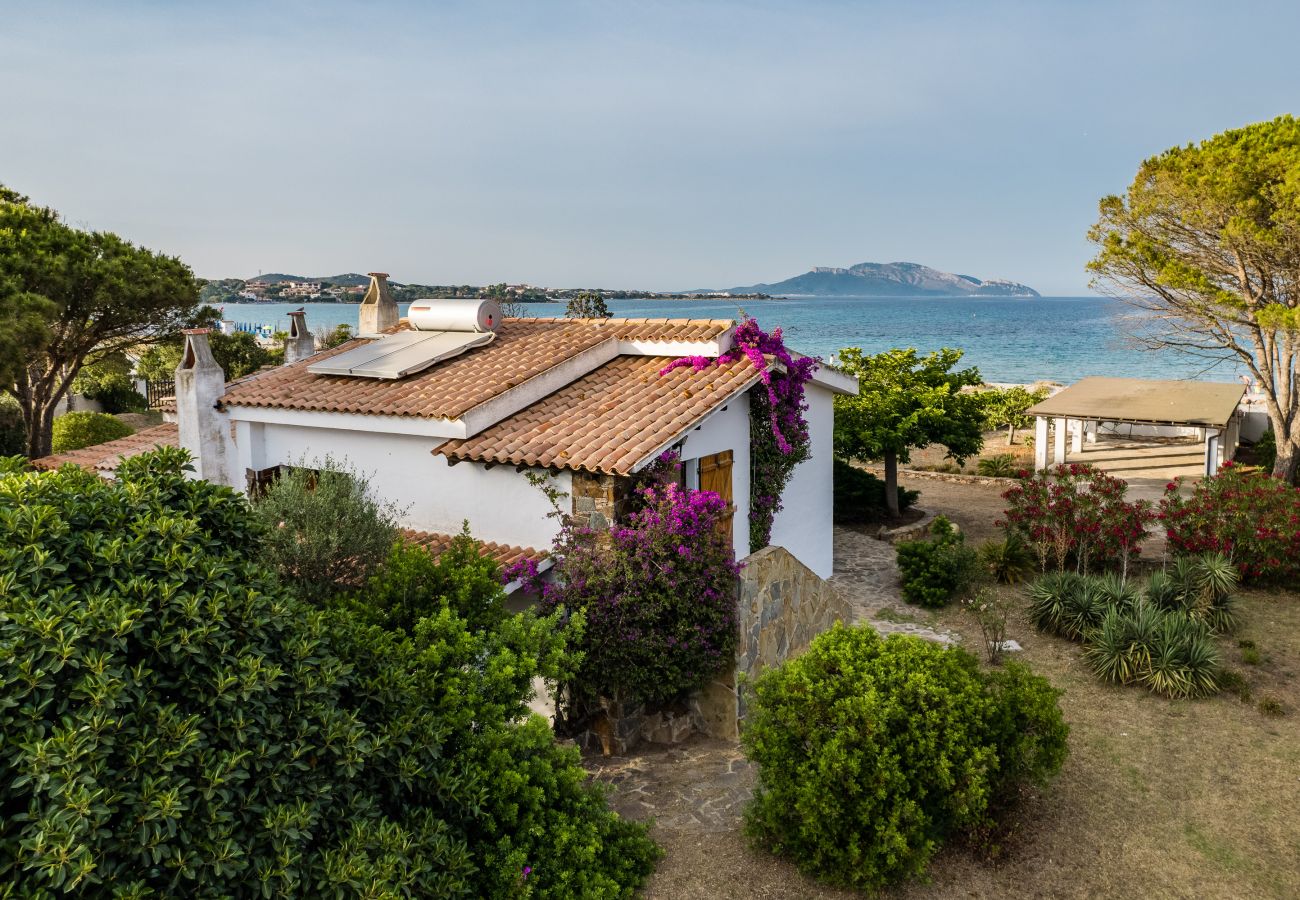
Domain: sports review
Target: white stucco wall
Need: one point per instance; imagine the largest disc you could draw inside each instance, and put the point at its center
(803, 526)
(500, 503)
(726, 429)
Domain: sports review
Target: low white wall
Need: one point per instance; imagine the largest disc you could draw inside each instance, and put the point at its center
(499, 503)
(804, 524)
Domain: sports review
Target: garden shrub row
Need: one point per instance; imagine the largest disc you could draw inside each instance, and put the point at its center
(873, 752)
(176, 722)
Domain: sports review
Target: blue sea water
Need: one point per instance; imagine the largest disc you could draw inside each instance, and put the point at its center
(1009, 340)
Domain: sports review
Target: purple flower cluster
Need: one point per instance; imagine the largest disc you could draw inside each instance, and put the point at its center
(657, 595)
(783, 441)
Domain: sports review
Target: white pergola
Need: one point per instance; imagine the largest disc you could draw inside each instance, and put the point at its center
(1209, 407)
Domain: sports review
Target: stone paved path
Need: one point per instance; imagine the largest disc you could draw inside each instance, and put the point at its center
(867, 576)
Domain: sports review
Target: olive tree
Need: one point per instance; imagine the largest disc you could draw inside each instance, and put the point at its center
(1206, 241)
(75, 296)
(905, 402)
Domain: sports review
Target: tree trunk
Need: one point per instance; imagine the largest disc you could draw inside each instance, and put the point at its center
(40, 429)
(1011, 435)
(1288, 459)
(891, 484)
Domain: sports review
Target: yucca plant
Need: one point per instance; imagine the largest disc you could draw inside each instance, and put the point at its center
(1200, 586)
(1117, 591)
(1185, 661)
(1117, 652)
(1002, 465)
(1008, 561)
(1049, 598)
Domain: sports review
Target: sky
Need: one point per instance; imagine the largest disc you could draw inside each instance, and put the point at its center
(651, 145)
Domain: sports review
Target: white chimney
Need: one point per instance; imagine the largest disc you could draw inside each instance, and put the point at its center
(300, 343)
(378, 309)
(200, 384)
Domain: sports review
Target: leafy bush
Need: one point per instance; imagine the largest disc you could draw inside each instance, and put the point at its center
(1169, 652)
(658, 596)
(1249, 516)
(1266, 450)
(108, 382)
(324, 531)
(75, 430)
(1005, 407)
(1007, 561)
(872, 752)
(176, 724)
(936, 570)
(13, 431)
(1075, 515)
(411, 585)
(1001, 465)
(860, 495)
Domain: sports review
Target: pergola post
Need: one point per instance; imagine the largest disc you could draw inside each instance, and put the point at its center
(1211, 451)
(1076, 436)
(1040, 443)
(1059, 455)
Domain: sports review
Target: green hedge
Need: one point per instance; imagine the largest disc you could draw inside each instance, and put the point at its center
(13, 432)
(873, 752)
(174, 723)
(860, 496)
(76, 430)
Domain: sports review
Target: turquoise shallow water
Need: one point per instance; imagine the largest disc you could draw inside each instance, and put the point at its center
(1017, 340)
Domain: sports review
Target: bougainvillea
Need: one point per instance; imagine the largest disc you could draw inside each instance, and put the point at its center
(1077, 515)
(779, 438)
(657, 596)
(1252, 517)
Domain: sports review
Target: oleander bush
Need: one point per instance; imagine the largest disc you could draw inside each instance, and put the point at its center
(76, 430)
(939, 568)
(873, 752)
(1075, 517)
(859, 496)
(324, 531)
(176, 723)
(1249, 516)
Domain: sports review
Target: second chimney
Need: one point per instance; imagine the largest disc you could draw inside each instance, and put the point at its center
(378, 309)
(300, 343)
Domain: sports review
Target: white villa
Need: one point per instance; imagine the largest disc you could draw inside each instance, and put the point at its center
(449, 409)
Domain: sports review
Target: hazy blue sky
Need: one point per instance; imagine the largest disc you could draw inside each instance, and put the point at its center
(650, 144)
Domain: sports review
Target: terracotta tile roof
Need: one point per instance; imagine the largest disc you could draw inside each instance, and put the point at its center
(104, 457)
(504, 554)
(610, 419)
(523, 349)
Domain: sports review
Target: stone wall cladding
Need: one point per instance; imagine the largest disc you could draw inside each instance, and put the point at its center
(599, 500)
(782, 606)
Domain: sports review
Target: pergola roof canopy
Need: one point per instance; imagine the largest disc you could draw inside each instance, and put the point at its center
(1203, 404)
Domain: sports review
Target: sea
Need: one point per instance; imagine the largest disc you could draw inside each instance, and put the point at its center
(1012, 340)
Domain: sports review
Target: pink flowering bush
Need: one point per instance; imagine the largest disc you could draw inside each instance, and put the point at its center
(1076, 516)
(1250, 516)
(657, 595)
(779, 438)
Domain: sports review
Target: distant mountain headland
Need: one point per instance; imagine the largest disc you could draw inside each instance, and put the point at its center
(896, 279)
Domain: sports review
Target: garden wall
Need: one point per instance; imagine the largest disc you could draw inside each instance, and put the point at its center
(782, 606)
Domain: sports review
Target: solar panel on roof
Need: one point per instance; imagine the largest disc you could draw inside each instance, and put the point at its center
(401, 354)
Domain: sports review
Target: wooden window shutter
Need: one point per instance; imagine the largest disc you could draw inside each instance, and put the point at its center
(715, 475)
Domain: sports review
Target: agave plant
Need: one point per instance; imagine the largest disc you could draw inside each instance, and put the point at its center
(1001, 465)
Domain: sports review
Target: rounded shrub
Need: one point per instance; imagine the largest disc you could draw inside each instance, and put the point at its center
(937, 569)
(872, 752)
(176, 723)
(76, 430)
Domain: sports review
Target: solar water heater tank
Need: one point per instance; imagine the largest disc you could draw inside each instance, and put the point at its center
(455, 315)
